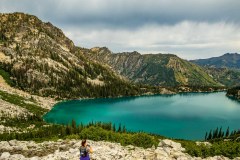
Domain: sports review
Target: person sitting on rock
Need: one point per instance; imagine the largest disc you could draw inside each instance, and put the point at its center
(85, 149)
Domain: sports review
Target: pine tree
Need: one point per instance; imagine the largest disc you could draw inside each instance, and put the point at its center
(215, 133)
(222, 134)
(206, 136)
(235, 132)
(238, 132)
(63, 131)
(74, 125)
(68, 130)
(124, 129)
(119, 128)
(219, 133)
(210, 135)
(114, 128)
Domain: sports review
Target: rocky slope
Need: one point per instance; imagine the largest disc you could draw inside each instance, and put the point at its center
(38, 58)
(224, 69)
(68, 150)
(16, 104)
(153, 69)
(44, 102)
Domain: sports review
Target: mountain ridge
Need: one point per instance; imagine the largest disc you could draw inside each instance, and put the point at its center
(224, 69)
(229, 60)
(153, 69)
(41, 60)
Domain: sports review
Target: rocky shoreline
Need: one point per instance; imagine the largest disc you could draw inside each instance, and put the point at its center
(68, 150)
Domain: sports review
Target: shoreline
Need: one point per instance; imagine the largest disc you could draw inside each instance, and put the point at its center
(50, 118)
(141, 95)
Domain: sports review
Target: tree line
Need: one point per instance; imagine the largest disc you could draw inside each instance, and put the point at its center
(218, 133)
(97, 131)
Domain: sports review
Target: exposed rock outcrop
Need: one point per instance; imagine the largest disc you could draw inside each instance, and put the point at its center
(69, 150)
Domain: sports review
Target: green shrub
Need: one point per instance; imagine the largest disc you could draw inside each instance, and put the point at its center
(143, 140)
(136, 139)
(229, 149)
(6, 77)
(73, 136)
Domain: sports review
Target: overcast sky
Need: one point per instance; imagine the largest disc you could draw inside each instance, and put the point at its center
(188, 28)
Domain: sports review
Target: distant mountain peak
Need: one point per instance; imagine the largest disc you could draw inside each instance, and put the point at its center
(155, 69)
(231, 53)
(228, 60)
(101, 50)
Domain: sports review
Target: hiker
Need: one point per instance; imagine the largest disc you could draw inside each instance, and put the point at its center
(85, 149)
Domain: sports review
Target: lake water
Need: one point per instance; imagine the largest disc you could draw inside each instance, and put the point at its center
(185, 116)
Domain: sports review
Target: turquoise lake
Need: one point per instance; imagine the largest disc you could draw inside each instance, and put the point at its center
(185, 116)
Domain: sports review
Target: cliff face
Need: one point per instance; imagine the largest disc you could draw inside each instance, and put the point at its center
(153, 69)
(37, 57)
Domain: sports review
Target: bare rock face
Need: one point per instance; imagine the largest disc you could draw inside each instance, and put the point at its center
(69, 150)
(166, 91)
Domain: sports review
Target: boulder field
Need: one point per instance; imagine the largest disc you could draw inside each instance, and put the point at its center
(69, 150)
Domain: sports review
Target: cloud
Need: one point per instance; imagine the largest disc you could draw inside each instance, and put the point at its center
(189, 28)
(187, 39)
(127, 13)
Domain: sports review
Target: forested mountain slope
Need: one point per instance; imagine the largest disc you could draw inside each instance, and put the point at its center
(37, 57)
(224, 69)
(153, 69)
(229, 60)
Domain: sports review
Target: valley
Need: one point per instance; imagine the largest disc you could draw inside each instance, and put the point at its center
(40, 67)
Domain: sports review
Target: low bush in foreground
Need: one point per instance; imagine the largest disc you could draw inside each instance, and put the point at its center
(136, 139)
(96, 132)
(107, 132)
(229, 149)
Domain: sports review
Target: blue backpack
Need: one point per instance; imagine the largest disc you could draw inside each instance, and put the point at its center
(83, 151)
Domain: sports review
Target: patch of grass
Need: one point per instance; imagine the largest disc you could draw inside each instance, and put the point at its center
(6, 77)
(22, 121)
(20, 101)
